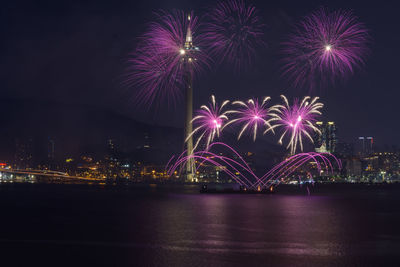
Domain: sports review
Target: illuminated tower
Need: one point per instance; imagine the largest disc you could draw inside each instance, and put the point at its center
(188, 52)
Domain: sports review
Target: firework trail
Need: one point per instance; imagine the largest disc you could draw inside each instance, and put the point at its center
(237, 169)
(285, 168)
(253, 116)
(233, 32)
(209, 121)
(297, 120)
(325, 46)
(156, 67)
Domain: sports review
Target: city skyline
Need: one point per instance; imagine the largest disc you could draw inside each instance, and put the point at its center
(149, 159)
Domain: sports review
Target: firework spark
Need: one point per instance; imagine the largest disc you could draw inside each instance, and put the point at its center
(253, 115)
(234, 31)
(324, 47)
(210, 121)
(297, 120)
(157, 65)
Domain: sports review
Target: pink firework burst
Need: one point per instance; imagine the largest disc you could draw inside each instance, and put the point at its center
(324, 47)
(253, 115)
(209, 122)
(297, 120)
(157, 66)
(233, 32)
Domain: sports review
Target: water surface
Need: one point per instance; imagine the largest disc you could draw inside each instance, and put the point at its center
(67, 225)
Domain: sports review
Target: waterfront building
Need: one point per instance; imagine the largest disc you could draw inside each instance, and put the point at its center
(365, 145)
(327, 140)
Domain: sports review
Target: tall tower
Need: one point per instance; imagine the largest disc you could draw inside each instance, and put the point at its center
(188, 53)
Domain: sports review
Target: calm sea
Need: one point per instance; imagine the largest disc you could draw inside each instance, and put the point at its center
(70, 225)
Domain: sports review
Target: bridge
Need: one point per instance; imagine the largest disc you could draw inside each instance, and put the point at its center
(49, 174)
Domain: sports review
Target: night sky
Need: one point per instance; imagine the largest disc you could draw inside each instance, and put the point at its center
(74, 52)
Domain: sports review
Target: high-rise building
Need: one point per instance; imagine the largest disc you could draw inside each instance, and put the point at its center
(331, 137)
(369, 149)
(365, 145)
(112, 149)
(361, 145)
(51, 149)
(23, 153)
(353, 167)
(319, 139)
(345, 149)
(51, 154)
(327, 140)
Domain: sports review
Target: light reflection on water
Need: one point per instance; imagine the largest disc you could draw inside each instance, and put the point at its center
(183, 228)
(250, 224)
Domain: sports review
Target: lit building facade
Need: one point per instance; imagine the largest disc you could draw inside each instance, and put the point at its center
(327, 140)
(365, 145)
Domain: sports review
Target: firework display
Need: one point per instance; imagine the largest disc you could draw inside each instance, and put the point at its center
(209, 122)
(253, 116)
(233, 32)
(156, 69)
(157, 65)
(325, 46)
(297, 120)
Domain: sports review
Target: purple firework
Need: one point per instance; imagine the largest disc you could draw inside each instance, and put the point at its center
(297, 120)
(209, 121)
(157, 66)
(253, 116)
(325, 46)
(233, 32)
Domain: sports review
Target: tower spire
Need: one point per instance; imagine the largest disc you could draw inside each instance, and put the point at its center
(188, 52)
(188, 43)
